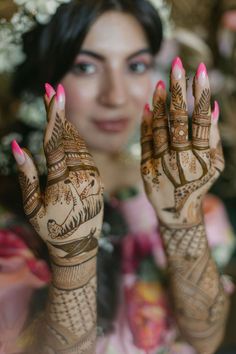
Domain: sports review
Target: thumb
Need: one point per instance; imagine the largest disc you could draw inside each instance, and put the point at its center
(29, 182)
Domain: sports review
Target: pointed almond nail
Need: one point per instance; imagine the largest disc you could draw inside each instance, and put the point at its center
(18, 153)
(201, 74)
(147, 108)
(50, 92)
(177, 68)
(161, 85)
(61, 97)
(216, 112)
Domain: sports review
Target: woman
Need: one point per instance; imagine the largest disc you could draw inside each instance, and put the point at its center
(104, 54)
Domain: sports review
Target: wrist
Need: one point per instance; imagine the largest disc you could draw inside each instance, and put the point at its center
(75, 276)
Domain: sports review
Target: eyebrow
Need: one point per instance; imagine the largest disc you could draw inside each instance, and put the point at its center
(102, 58)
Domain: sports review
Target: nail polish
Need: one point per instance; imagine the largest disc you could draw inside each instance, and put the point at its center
(60, 97)
(202, 75)
(177, 68)
(147, 108)
(161, 85)
(216, 112)
(50, 92)
(18, 153)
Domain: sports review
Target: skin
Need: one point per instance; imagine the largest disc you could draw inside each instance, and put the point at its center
(111, 82)
(68, 214)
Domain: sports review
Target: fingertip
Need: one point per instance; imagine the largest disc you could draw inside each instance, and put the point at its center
(60, 97)
(177, 69)
(216, 112)
(50, 92)
(160, 86)
(18, 153)
(147, 108)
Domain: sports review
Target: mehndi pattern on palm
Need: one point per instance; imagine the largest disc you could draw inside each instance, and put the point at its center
(178, 171)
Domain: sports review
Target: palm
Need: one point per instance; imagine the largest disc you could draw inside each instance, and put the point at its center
(177, 171)
(73, 198)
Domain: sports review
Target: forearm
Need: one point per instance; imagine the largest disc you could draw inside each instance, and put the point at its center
(69, 323)
(199, 298)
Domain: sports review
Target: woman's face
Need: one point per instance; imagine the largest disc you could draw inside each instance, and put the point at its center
(109, 84)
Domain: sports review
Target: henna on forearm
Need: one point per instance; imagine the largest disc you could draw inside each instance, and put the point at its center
(201, 304)
(178, 170)
(69, 322)
(68, 217)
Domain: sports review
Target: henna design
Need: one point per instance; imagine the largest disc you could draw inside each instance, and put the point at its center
(176, 182)
(199, 298)
(177, 98)
(82, 210)
(202, 122)
(160, 128)
(31, 195)
(75, 276)
(178, 120)
(77, 155)
(54, 151)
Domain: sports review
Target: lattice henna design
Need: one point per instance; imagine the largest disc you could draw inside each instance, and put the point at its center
(182, 193)
(200, 301)
(61, 341)
(66, 305)
(82, 210)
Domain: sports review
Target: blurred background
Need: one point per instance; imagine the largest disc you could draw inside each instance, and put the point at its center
(205, 31)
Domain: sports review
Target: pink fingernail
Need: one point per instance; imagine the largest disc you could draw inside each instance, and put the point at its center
(201, 74)
(60, 96)
(147, 108)
(161, 85)
(50, 92)
(216, 112)
(177, 68)
(18, 153)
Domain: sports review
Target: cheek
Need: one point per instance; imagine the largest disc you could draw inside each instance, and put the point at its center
(141, 93)
(80, 99)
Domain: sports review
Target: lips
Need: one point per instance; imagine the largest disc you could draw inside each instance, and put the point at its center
(112, 126)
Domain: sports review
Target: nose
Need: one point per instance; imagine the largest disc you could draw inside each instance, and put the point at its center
(114, 91)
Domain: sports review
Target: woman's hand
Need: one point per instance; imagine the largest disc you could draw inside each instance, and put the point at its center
(68, 214)
(178, 171)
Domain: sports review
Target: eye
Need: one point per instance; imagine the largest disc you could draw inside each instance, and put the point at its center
(139, 67)
(84, 68)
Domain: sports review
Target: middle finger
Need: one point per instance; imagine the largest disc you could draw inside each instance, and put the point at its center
(178, 109)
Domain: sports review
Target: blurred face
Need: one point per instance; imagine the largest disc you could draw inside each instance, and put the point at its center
(109, 83)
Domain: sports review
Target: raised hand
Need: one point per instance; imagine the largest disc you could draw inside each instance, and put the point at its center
(68, 215)
(178, 170)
